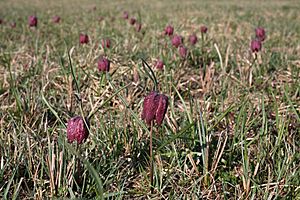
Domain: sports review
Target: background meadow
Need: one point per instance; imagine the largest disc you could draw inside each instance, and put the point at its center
(231, 130)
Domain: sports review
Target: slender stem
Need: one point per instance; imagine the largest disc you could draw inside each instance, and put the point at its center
(151, 160)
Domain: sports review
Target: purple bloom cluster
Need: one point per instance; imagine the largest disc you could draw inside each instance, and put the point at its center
(260, 36)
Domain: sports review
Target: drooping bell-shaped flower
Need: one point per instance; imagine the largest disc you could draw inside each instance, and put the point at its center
(132, 21)
(260, 33)
(103, 64)
(149, 107)
(83, 38)
(183, 52)
(77, 130)
(255, 45)
(203, 29)
(193, 39)
(161, 109)
(159, 64)
(176, 40)
(32, 21)
(154, 108)
(169, 30)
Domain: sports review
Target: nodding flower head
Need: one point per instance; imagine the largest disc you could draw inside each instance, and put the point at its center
(77, 130)
(132, 20)
(176, 40)
(154, 108)
(83, 38)
(103, 64)
(193, 39)
(125, 15)
(105, 43)
(203, 29)
(56, 19)
(161, 109)
(260, 33)
(255, 45)
(183, 52)
(169, 30)
(32, 21)
(159, 64)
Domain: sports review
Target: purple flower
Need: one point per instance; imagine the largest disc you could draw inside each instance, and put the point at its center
(103, 64)
(32, 21)
(105, 43)
(83, 38)
(138, 27)
(154, 107)
(132, 20)
(183, 51)
(125, 15)
(159, 64)
(255, 45)
(56, 19)
(176, 40)
(169, 30)
(193, 39)
(260, 33)
(161, 109)
(77, 130)
(203, 29)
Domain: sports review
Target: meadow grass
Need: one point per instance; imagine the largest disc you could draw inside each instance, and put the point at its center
(232, 126)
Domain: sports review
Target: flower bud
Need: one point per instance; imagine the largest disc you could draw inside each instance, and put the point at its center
(32, 21)
(83, 39)
(77, 130)
(176, 40)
